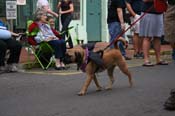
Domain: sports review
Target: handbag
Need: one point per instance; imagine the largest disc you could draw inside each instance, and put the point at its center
(160, 5)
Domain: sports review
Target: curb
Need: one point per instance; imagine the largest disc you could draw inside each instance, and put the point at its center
(152, 52)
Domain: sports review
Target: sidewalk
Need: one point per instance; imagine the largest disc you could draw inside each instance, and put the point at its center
(165, 54)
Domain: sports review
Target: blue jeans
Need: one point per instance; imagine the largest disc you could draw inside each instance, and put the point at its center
(114, 31)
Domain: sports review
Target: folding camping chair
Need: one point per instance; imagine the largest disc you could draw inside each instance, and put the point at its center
(43, 52)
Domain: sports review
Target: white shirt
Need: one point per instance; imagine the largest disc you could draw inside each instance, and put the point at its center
(44, 33)
(42, 3)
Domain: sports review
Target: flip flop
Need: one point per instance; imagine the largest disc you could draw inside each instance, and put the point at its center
(148, 64)
(162, 63)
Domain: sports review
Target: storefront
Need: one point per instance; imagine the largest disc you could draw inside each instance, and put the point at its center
(89, 18)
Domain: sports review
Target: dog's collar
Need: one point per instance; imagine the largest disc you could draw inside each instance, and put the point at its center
(84, 64)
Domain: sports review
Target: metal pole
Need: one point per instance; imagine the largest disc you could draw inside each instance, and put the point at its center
(11, 25)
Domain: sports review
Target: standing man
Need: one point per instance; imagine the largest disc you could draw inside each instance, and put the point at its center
(134, 7)
(116, 24)
(169, 25)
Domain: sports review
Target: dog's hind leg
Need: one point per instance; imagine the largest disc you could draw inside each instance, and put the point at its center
(124, 68)
(111, 77)
(99, 88)
(86, 84)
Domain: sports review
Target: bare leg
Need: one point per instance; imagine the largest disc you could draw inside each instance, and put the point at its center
(146, 46)
(140, 44)
(156, 42)
(136, 43)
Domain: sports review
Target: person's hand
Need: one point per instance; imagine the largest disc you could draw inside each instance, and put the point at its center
(15, 34)
(49, 39)
(57, 15)
(136, 17)
(123, 26)
(61, 12)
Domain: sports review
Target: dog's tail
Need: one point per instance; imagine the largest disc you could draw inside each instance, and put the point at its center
(121, 39)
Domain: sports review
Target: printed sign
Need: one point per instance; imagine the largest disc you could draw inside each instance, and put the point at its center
(11, 9)
(21, 2)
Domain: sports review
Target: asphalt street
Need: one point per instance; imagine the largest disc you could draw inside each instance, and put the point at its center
(46, 94)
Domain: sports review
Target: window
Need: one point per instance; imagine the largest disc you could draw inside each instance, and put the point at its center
(76, 14)
(2, 7)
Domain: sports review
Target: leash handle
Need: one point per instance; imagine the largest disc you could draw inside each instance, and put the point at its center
(129, 27)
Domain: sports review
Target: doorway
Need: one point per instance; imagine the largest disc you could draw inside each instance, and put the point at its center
(93, 20)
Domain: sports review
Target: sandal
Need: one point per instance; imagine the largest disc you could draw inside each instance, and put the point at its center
(148, 64)
(162, 63)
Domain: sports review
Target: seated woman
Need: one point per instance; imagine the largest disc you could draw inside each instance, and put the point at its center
(45, 33)
(51, 21)
(7, 42)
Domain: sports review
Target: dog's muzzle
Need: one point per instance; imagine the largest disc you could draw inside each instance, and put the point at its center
(67, 59)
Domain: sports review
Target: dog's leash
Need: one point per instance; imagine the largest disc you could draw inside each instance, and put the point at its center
(128, 28)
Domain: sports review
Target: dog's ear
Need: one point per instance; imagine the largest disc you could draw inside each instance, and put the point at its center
(90, 46)
(78, 59)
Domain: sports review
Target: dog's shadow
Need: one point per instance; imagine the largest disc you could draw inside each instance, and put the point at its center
(106, 92)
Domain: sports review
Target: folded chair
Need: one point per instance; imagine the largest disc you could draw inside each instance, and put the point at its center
(43, 52)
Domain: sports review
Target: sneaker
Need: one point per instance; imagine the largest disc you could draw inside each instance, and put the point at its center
(13, 68)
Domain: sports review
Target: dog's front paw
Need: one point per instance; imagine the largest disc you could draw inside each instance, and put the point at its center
(130, 84)
(99, 89)
(112, 80)
(81, 93)
(108, 88)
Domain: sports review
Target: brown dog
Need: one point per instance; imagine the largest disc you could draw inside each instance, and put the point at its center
(111, 58)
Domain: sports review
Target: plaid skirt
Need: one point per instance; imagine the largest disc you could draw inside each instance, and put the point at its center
(169, 22)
